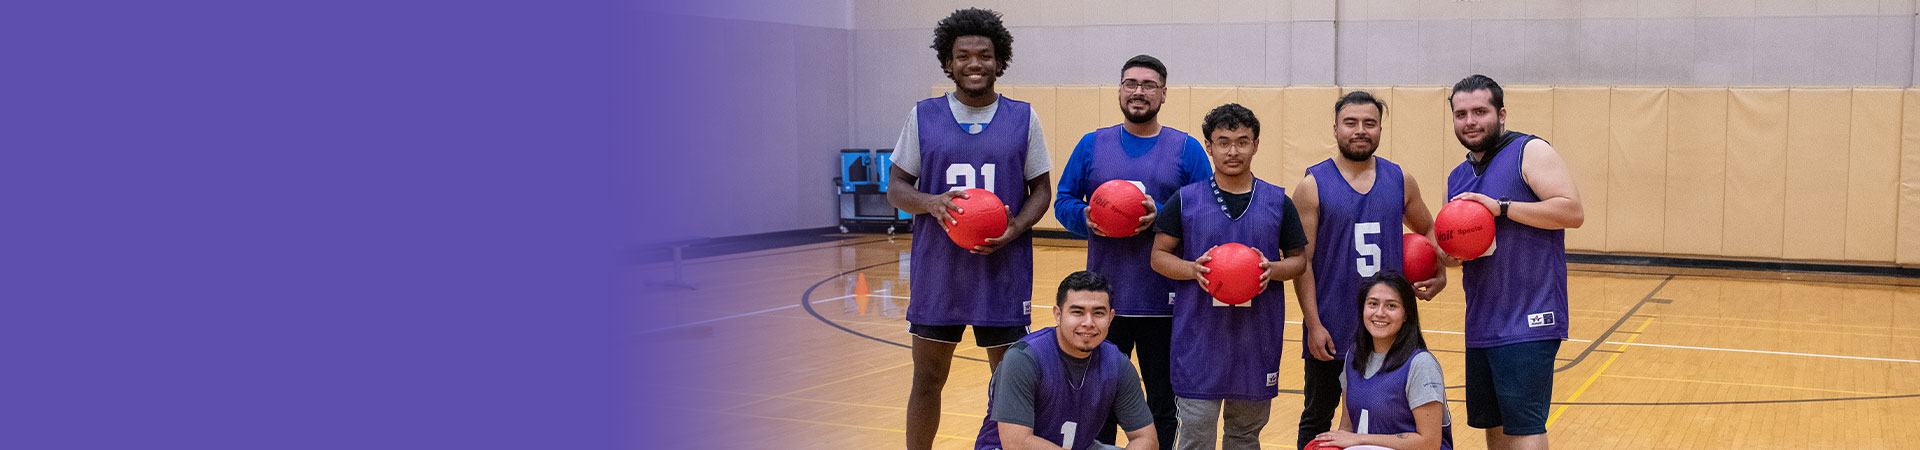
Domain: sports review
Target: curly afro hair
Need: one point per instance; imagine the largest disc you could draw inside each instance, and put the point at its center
(973, 22)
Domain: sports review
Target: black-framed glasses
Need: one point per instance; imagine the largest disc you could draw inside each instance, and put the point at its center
(1132, 85)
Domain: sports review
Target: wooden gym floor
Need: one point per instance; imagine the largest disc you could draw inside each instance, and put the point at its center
(775, 350)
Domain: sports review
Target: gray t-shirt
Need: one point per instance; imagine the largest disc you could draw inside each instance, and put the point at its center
(1425, 382)
(1016, 383)
(906, 150)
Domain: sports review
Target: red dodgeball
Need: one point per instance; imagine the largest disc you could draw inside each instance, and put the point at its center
(1116, 208)
(1320, 445)
(982, 217)
(1233, 276)
(1416, 257)
(1464, 229)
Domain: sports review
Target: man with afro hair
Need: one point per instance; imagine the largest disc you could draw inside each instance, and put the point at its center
(969, 138)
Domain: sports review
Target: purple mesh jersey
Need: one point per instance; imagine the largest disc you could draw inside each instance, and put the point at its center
(1519, 293)
(1382, 402)
(1358, 236)
(1137, 289)
(950, 285)
(1064, 415)
(1225, 351)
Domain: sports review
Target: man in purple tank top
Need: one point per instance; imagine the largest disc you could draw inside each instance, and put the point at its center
(1159, 160)
(1226, 357)
(1353, 204)
(969, 138)
(1058, 384)
(1517, 292)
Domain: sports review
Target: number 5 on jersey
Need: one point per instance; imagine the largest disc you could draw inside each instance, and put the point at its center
(1369, 261)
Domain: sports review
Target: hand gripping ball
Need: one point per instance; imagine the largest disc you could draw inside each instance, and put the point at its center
(1116, 208)
(981, 216)
(1233, 276)
(1464, 229)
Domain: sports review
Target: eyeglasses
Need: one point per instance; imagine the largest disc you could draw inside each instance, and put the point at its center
(1131, 85)
(1240, 144)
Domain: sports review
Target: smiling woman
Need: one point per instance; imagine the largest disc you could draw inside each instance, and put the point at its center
(1395, 392)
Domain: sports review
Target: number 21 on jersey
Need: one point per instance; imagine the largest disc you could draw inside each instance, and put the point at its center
(963, 177)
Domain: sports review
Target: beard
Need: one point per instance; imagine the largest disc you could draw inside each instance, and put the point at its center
(1347, 151)
(1140, 118)
(1488, 141)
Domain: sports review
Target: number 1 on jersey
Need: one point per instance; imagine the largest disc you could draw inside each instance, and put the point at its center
(1066, 434)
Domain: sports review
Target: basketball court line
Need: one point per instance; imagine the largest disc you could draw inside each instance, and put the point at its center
(1633, 312)
(1792, 322)
(1612, 354)
(689, 262)
(1844, 333)
(761, 312)
(1596, 374)
(1730, 383)
(1768, 352)
(1644, 300)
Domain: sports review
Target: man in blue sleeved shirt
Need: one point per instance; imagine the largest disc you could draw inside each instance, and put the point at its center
(1159, 160)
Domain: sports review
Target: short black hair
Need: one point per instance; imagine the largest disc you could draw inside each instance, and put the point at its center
(1477, 82)
(1147, 62)
(1083, 281)
(1229, 116)
(973, 22)
(1359, 97)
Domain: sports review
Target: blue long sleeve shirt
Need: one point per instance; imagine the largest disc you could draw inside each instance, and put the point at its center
(1070, 204)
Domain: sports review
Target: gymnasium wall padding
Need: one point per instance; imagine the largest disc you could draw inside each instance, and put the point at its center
(1044, 101)
(1581, 120)
(1177, 112)
(1205, 99)
(1909, 239)
(1267, 104)
(1423, 139)
(1817, 127)
(1077, 116)
(1305, 137)
(1873, 175)
(1804, 174)
(1636, 169)
(1109, 111)
(1529, 109)
(1756, 172)
(1696, 171)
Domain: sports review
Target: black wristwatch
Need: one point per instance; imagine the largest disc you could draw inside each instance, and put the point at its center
(1503, 206)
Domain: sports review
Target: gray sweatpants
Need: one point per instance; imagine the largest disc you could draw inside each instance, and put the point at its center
(1199, 419)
